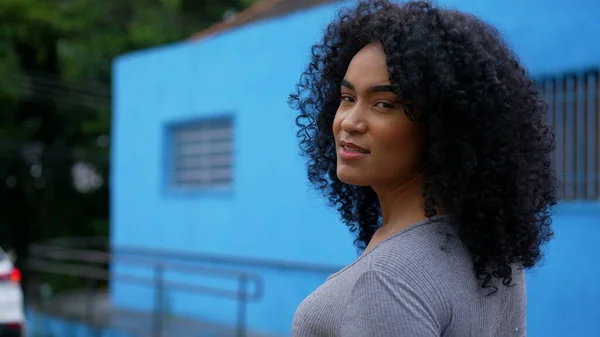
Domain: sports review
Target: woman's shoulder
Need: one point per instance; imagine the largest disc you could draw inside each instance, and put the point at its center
(433, 257)
(428, 265)
(425, 251)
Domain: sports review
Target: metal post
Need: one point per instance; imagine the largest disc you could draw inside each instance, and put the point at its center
(89, 304)
(242, 291)
(157, 319)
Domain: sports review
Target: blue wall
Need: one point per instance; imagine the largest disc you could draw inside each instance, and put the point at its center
(563, 293)
(271, 212)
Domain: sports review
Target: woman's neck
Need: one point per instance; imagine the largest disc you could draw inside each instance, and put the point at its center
(401, 204)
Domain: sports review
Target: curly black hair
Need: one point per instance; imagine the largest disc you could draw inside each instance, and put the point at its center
(488, 148)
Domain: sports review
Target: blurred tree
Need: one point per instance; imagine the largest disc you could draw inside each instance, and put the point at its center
(55, 71)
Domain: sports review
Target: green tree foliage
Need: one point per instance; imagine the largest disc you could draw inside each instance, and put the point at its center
(55, 72)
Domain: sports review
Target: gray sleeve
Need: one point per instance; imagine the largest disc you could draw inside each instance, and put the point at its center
(386, 306)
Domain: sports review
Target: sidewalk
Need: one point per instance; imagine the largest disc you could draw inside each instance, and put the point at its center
(76, 308)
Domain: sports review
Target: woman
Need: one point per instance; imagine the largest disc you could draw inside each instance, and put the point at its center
(424, 131)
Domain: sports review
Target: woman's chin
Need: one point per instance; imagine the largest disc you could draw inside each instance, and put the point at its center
(351, 177)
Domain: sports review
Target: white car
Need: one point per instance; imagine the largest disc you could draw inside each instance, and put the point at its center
(12, 313)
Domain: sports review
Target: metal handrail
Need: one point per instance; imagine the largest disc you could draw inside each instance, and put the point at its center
(228, 259)
(59, 253)
(82, 242)
(44, 257)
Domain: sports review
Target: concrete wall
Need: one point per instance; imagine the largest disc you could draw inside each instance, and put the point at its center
(270, 211)
(563, 293)
(42, 325)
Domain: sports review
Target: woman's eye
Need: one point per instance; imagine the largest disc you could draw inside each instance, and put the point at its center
(347, 99)
(385, 105)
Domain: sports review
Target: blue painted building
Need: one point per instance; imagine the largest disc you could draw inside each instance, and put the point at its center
(205, 161)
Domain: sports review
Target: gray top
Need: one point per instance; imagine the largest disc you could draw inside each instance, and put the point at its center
(418, 283)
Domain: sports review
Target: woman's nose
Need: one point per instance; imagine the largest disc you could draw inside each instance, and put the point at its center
(354, 122)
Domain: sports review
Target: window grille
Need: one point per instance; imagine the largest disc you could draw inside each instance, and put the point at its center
(574, 113)
(202, 154)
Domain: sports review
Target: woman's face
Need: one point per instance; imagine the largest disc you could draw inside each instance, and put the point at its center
(377, 145)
